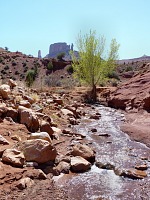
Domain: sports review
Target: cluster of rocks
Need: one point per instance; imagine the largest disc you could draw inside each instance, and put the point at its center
(39, 149)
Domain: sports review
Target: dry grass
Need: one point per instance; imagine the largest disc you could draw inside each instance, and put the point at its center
(35, 97)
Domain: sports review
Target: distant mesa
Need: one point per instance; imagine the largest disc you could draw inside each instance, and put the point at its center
(127, 61)
(60, 47)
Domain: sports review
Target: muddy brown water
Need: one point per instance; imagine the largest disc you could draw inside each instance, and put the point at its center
(117, 151)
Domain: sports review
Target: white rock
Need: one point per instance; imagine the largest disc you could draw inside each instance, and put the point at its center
(79, 164)
(38, 150)
(41, 135)
(5, 91)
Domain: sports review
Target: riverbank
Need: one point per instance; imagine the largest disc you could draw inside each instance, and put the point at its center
(137, 126)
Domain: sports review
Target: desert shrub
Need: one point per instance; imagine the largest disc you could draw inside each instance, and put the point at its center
(25, 70)
(70, 69)
(6, 67)
(35, 97)
(14, 63)
(1, 59)
(30, 77)
(52, 81)
(68, 83)
(114, 83)
(60, 56)
(16, 72)
(129, 68)
(50, 66)
(24, 64)
(114, 75)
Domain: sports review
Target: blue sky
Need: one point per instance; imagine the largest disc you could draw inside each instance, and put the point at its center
(30, 25)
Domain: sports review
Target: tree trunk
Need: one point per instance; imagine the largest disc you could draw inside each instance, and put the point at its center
(93, 94)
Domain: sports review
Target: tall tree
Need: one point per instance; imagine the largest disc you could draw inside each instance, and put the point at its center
(94, 63)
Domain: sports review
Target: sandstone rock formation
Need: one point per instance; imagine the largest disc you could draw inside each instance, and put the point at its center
(38, 150)
(57, 48)
(133, 94)
(39, 54)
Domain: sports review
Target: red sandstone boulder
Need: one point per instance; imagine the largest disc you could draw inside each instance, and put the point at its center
(135, 93)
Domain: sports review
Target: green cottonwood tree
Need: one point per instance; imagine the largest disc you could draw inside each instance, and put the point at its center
(94, 63)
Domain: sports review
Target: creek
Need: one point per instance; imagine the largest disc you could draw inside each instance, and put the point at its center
(115, 152)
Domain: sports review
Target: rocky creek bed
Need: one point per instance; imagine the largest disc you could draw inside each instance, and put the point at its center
(121, 167)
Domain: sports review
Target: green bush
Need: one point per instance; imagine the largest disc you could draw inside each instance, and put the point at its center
(114, 83)
(114, 75)
(60, 56)
(70, 69)
(50, 66)
(129, 68)
(30, 77)
(1, 59)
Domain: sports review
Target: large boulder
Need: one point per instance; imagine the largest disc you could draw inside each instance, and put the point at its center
(133, 94)
(84, 151)
(13, 157)
(5, 91)
(45, 127)
(79, 164)
(38, 150)
(29, 118)
(41, 135)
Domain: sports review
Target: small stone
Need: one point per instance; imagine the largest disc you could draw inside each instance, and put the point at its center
(141, 167)
(134, 173)
(13, 157)
(93, 130)
(3, 140)
(25, 183)
(79, 164)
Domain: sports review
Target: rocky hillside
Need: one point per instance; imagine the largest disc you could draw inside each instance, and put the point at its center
(15, 65)
(134, 93)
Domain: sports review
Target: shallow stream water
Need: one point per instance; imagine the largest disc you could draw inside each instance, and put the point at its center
(116, 150)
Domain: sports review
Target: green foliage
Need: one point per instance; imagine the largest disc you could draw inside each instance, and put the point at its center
(70, 69)
(50, 66)
(1, 59)
(90, 67)
(30, 77)
(14, 63)
(114, 75)
(24, 64)
(60, 56)
(93, 65)
(114, 83)
(6, 48)
(129, 68)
